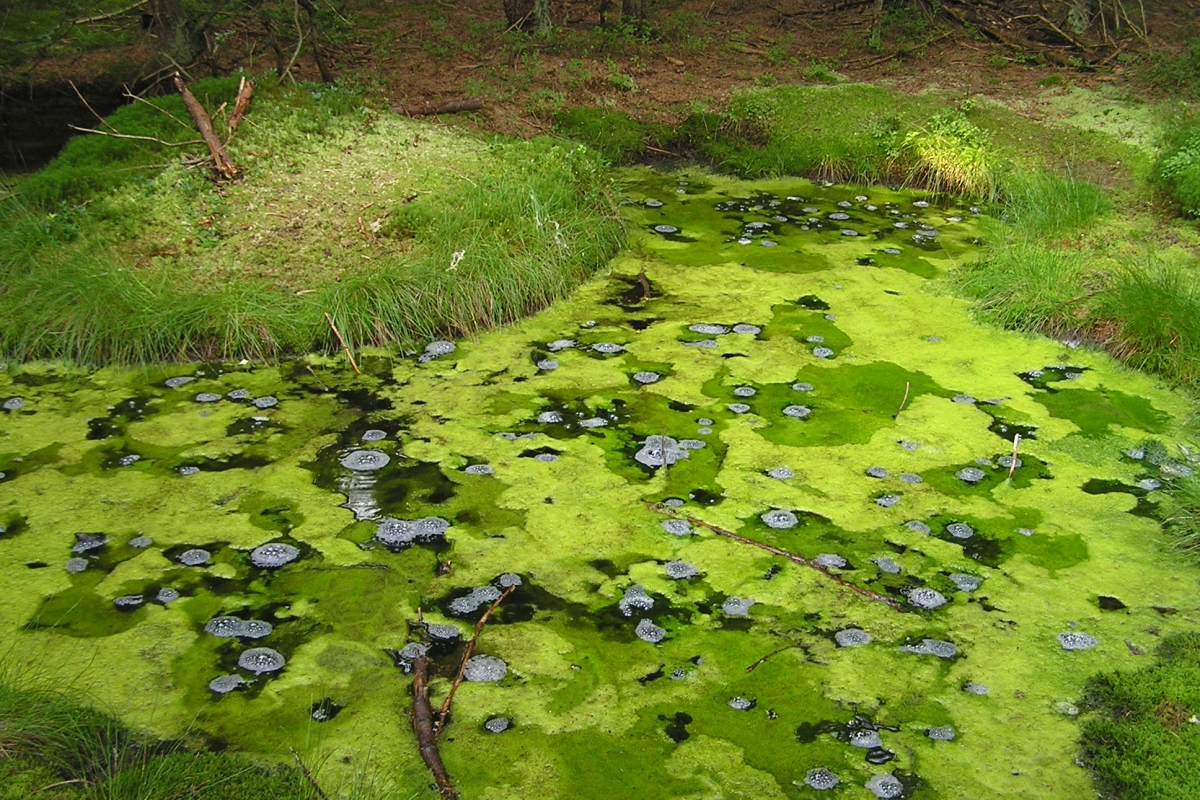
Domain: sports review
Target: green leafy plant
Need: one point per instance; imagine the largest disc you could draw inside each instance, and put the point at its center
(620, 80)
(1179, 167)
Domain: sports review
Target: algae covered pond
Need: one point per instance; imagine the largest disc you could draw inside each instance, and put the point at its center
(755, 489)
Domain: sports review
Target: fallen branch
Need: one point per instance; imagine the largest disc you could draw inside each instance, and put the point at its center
(203, 122)
(1012, 40)
(462, 668)
(422, 720)
(75, 781)
(793, 557)
(445, 107)
(345, 347)
(110, 14)
(308, 776)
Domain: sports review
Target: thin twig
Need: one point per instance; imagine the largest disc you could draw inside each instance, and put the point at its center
(345, 347)
(462, 668)
(770, 655)
(904, 402)
(101, 18)
(299, 44)
(89, 107)
(793, 557)
(308, 775)
(71, 782)
(1013, 466)
(141, 138)
(160, 109)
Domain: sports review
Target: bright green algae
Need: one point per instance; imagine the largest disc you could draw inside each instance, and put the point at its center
(597, 712)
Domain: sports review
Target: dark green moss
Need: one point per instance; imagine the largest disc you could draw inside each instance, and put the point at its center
(1139, 740)
(615, 134)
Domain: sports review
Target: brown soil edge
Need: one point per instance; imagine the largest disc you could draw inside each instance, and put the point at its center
(418, 55)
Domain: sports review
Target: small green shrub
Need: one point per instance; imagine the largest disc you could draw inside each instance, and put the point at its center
(1178, 168)
(1139, 741)
(950, 154)
(615, 134)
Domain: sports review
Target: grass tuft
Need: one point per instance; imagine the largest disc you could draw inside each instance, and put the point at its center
(1025, 285)
(1038, 203)
(1156, 308)
(1180, 513)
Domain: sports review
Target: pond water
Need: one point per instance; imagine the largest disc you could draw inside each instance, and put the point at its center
(765, 372)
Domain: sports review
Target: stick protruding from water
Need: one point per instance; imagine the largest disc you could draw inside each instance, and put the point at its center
(1012, 467)
(904, 402)
(345, 347)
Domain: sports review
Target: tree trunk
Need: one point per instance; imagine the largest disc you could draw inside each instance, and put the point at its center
(541, 16)
(519, 13)
(177, 40)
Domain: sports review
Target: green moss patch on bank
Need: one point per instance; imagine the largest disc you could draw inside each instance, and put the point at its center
(401, 230)
(1142, 741)
(59, 748)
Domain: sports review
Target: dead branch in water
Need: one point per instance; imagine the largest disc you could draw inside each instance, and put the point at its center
(793, 557)
(345, 346)
(462, 668)
(422, 720)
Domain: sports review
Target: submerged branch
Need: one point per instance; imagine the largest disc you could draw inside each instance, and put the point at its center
(422, 720)
(462, 668)
(793, 557)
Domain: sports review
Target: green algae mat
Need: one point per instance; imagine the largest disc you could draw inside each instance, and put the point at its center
(752, 500)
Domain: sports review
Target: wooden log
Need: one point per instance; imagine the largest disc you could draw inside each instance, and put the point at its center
(445, 107)
(203, 123)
